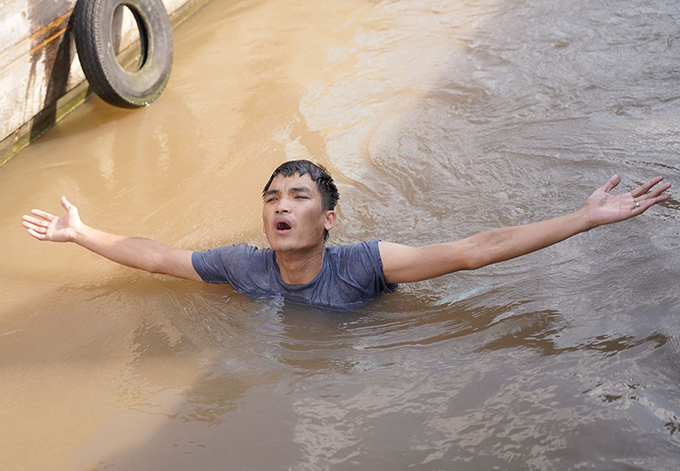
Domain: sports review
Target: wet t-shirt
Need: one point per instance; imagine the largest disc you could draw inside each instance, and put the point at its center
(352, 275)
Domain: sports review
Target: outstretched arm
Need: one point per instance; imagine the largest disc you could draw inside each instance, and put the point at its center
(135, 252)
(402, 264)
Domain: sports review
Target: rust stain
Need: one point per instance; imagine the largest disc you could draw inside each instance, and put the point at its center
(47, 41)
(56, 24)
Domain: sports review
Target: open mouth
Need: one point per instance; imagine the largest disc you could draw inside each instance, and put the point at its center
(283, 226)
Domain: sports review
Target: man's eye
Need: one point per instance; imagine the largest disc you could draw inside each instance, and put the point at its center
(269, 200)
(301, 197)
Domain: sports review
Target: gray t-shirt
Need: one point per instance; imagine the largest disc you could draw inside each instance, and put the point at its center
(352, 275)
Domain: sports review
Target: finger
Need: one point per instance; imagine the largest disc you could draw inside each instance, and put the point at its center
(36, 235)
(656, 191)
(642, 189)
(644, 204)
(611, 184)
(42, 214)
(65, 204)
(35, 221)
(33, 227)
(659, 199)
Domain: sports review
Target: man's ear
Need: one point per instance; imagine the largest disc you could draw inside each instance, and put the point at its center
(331, 217)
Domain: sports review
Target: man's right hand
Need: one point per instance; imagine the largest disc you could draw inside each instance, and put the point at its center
(51, 227)
(135, 252)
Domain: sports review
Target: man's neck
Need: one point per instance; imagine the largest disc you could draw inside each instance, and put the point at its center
(301, 266)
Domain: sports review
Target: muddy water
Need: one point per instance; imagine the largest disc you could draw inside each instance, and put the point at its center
(438, 119)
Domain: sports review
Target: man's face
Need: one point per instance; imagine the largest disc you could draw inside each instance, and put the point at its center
(293, 216)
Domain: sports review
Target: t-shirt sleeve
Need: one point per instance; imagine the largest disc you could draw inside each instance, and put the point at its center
(210, 264)
(365, 266)
(243, 266)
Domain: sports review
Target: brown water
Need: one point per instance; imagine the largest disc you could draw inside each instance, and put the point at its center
(439, 119)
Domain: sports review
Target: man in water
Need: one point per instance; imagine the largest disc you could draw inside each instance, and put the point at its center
(298, 212)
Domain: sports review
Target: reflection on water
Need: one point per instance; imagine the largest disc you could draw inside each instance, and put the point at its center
(439, 119)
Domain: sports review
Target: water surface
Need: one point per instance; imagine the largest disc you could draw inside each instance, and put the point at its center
(438, 119)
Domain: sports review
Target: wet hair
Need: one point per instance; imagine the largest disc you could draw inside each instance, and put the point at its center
(324, 182)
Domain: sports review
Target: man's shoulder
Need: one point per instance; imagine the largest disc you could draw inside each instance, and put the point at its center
(233, 263)
(243, 253)
(243, 247)
(360, 266)
(362, 250)
(366, 245)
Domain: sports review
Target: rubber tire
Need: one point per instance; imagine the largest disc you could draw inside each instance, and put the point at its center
(92, 30)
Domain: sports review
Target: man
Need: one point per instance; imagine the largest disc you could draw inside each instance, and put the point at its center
(298, 212)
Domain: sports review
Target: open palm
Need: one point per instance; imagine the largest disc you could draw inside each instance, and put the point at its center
(605, 208)
(49, 227)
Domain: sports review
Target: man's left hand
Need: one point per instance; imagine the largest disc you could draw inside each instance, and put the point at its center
(604, 208)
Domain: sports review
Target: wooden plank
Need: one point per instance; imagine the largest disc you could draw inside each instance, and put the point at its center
(40, 75)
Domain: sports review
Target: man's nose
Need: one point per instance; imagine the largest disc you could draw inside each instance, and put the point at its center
(282, 205)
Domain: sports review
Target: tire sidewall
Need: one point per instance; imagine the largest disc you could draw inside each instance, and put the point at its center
(113, 83)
